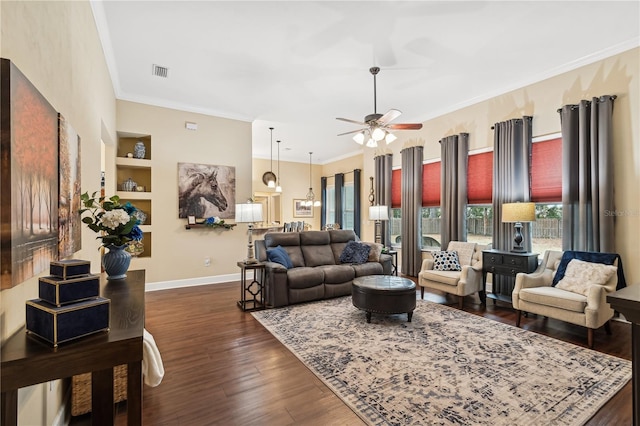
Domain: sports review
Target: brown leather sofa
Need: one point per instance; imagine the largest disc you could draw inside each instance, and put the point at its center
(317, 272)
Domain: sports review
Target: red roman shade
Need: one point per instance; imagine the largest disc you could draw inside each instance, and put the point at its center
(431, 184)
(546, 171)
(396, 188)
(480, 178)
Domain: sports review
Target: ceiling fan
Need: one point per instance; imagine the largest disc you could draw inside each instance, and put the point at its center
(377, 126)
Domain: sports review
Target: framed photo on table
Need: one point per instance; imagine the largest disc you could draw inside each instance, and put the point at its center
(301, 210)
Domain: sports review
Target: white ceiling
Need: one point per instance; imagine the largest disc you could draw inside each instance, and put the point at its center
(296, 66)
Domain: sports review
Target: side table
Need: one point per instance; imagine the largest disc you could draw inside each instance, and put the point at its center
(506, 263)
(394, 261)
(627, 302)
(252, 292)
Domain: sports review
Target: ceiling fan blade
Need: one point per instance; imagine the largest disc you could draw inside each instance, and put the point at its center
(405, 126)
(351, 132)
(352, 121)
(390, 115)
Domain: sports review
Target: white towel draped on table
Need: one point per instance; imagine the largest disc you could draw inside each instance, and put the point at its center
(152, 368)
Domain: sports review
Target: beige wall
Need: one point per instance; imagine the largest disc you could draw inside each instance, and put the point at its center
(177, 253)
(618, 75)
(56, 46)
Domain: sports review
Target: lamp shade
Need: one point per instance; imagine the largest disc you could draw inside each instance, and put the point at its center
(248, 213)
(518, 212)
(378, 213)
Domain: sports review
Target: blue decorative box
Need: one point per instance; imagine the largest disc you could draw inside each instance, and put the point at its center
(69, 268)
(59, 291)
(59, 324)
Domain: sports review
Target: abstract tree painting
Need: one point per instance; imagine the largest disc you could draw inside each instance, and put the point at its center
(69, 231)
(29, 180)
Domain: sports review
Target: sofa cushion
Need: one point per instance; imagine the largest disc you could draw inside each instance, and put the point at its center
(555, 298)
(304, 277)
(290, 242)
(375, 252)
(444, 277)
(580, 275)
(368, 268)
(336, 274)
(279, 255)
(446, 261)
(355, 252)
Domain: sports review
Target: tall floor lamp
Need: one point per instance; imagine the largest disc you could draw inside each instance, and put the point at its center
(518, 213)
(249, 213)
(378, 213)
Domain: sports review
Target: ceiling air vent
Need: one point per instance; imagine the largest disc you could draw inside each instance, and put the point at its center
(160, 71)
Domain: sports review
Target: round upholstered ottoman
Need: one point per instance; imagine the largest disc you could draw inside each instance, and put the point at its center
(384, 294)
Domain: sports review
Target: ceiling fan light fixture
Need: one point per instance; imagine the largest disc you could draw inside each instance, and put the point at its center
(378, 134)
(371, 143)
(390, 138)
(359, 138)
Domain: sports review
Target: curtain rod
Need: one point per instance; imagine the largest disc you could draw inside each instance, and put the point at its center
(344, 173)
(528, 117)
(600, 99)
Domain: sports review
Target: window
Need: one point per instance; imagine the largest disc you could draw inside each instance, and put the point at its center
(330, 204)
(348, 204)
(480, 224)
(430, 228)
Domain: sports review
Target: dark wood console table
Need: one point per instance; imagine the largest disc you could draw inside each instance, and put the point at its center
(27, 360)
(627, 302)
(506, 263)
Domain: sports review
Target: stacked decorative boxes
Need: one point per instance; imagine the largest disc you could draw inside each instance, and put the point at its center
(69, 306)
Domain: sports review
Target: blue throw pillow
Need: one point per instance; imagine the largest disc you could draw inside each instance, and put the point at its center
(279, 255)
(355, 252)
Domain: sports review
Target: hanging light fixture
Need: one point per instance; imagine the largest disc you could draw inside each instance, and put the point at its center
(373, 135)
(269, 178)
(311, 197)
(278, 187)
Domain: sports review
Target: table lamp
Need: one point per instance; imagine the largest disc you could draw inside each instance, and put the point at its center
(249, 213)
(518, 213)
(378, 213)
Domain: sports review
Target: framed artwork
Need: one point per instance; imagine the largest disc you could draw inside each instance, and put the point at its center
(29, 178)
(69, 222)
(191, 220)
(206, 191)
(300, 210)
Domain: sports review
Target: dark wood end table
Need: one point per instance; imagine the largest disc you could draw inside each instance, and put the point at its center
(505, 263)
(252, 291)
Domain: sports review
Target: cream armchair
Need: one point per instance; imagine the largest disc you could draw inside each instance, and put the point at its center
(533, 293)
(461, 283)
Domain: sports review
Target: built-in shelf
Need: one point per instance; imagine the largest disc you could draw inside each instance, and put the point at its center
(227, 226)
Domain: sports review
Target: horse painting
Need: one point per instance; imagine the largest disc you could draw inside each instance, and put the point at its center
(206, 191)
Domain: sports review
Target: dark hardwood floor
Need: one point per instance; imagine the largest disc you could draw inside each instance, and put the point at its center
(223, 368)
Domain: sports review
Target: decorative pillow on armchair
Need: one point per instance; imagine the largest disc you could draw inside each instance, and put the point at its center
(580, 275)
(374, 253)
(355, 252)
(446, 261)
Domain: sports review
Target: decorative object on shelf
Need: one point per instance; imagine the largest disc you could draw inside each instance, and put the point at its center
(378, 213)
(278, 187)
(116, 224)
(129, 185)
(311, 197)
(139, 150)
(210, 222)
(269, 178)
(141, 216)
(518, 213)
(249, 213)
(140, 188)
(135, 248)
(129, 155)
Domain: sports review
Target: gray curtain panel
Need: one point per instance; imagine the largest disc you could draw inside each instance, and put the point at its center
(382, 187)
(411, 210)
(357, 191)
(511, 183)
(323, 192)
(453, 188)
(587, 175)
(339, 182)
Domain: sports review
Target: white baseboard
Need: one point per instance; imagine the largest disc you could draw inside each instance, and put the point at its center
(192, 282)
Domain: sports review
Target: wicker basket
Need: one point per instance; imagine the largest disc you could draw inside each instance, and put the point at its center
(81, 390)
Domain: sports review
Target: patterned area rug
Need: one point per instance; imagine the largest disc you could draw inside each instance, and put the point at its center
(446, 367)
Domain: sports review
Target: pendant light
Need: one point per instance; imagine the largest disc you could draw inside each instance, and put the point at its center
(278, 187)
(269, 178)
(311, 197)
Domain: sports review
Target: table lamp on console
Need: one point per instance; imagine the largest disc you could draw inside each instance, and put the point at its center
(518, 213)
(249, 213)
